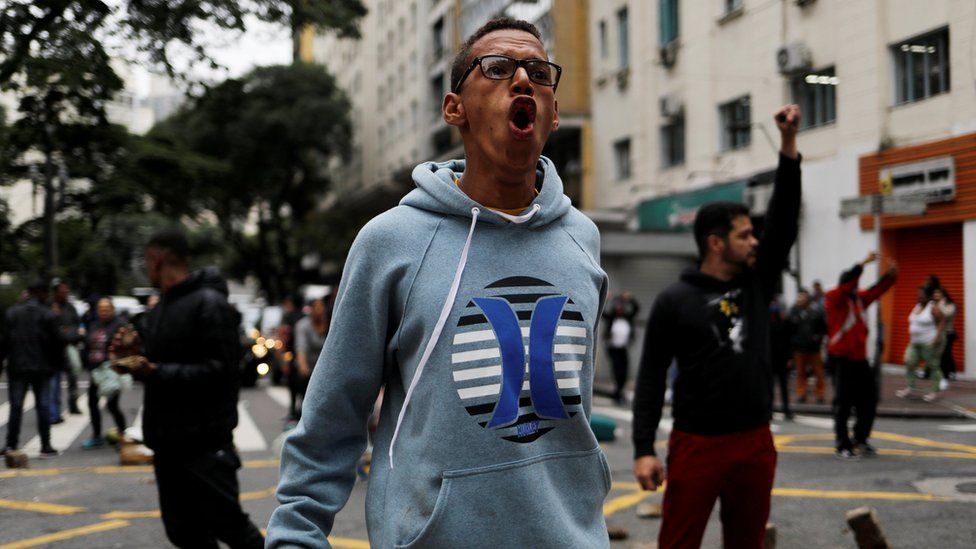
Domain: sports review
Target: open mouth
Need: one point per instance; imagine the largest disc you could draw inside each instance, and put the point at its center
(521, 118)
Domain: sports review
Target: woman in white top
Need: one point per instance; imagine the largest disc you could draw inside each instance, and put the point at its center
(949, 309)
(926, 325)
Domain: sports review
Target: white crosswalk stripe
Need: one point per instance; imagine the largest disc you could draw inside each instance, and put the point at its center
(280, 395)
(63, 434)
(5, 408)
(247, 436)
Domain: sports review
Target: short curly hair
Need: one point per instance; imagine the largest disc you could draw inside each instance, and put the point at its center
(463, 57)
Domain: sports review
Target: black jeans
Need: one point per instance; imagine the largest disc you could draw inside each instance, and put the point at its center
(199, 500)
(948, 362)
(854, 387)
(40, 384)
(621, 363)
(96, 413)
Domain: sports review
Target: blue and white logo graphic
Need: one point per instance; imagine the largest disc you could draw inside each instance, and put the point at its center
(518, 353)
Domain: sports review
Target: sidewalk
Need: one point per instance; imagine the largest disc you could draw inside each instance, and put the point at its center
(959, 401)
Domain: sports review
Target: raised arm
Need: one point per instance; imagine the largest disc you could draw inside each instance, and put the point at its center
(783, 212)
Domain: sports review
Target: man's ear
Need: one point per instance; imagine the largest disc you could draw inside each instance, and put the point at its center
(555, 116)
(716, 243)
(453, 110)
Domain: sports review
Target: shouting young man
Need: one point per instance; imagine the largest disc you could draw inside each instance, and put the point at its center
(714, 324)
(474, 304)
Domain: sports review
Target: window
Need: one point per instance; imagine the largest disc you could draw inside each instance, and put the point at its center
(439, 41)
(604, 47)
(921, 66)
(437, 93)
(673, 142)
(732, 5)
(668, 15)
(736, 128)
(816, 93)
(621, 153)
(622, 36)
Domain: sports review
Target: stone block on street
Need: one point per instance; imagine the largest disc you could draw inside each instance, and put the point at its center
(132, 453)
(617, 533)
(769, 541)
(16, 459)
(863, 521)
(649, 510)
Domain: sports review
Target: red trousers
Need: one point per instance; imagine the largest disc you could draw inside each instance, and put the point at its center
(737, 468)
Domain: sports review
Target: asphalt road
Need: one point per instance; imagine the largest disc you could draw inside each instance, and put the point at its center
(923, 485)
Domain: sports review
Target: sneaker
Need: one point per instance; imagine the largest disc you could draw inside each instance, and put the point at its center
(846, 454)
(48, 453)
(943, 384)
(112, 436)
(92, 443)
(74, 410)
(5, 449)
(931, 397)
(907, 392)
(863, 449)
(57, 420)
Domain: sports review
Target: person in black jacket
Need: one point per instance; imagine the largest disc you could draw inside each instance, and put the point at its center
(70, 335)
(32, 348)
(714, 323)
(190, 367)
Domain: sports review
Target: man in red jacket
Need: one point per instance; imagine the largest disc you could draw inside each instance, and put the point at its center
(847, 333)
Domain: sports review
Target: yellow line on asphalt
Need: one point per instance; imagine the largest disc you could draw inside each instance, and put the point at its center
(114, 469)
(66, 534)
(851, 494)
(881, 451)
(624, 502)
(260, 494)
(38, 507)
(925, 442)
(131, 514)
(626, 486)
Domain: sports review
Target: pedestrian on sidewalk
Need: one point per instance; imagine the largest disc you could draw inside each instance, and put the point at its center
(715, 323)
(310, 334)
(32, 347)
(476, 303)
(926, 332)
(69, 323)
(188, 358)
(779, 352)
(618, 320)
(855, 382)
(948, 361)
(808, 327)
(98, 338)
(292, 308)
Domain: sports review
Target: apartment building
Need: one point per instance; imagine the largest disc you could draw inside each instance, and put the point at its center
(399, 71)
(683, 95)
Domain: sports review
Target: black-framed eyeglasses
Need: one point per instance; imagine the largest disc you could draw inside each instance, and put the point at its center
(502, 67)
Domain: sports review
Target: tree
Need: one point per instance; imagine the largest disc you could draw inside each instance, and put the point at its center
(277, 131)
(55, 59)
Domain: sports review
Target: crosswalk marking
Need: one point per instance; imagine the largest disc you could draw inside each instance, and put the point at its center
(63, 434)
(966, 428)
(5, 408)
(280, 395)
(247, 436)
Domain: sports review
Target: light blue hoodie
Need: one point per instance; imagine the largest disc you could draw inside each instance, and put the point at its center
(482, 330)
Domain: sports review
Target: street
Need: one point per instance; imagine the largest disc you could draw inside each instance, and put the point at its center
(923, 484)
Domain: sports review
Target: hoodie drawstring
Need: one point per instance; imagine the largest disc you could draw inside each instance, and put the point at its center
(446, 312)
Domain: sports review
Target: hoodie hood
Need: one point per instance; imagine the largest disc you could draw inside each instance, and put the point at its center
(207, 277)
(437, 192)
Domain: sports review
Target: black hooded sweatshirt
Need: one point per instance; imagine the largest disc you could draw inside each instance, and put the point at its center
(191, 335)
(718, 332)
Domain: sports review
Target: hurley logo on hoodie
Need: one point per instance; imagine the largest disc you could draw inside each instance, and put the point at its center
(518, 352)
(725, 313)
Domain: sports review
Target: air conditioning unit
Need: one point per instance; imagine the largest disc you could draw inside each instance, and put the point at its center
(671, 106)
(793, 58)
(803, 3)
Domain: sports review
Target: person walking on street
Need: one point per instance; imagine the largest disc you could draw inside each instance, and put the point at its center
(98, 338)
(189, 364)
(847, 335)
(310, 334)
(779, 352)
(32, 347)
(69, 322)
(808, 327)
(948, 361)
(619, 321)
(291, 309)
(715, 323)
(926, 332)
(476, 303)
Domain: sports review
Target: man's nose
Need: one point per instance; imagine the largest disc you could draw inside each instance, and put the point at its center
(521, 84)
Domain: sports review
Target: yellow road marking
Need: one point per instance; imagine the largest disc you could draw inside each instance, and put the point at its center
(38, 507)
(624, 502)
(131, 514)
(66, 534)
(881, 451)
(114, 469)
(851, 494)
(626, 486)
(260, 494)
(928, 443)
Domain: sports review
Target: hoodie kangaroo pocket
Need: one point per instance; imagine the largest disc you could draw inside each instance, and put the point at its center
(552, 500)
